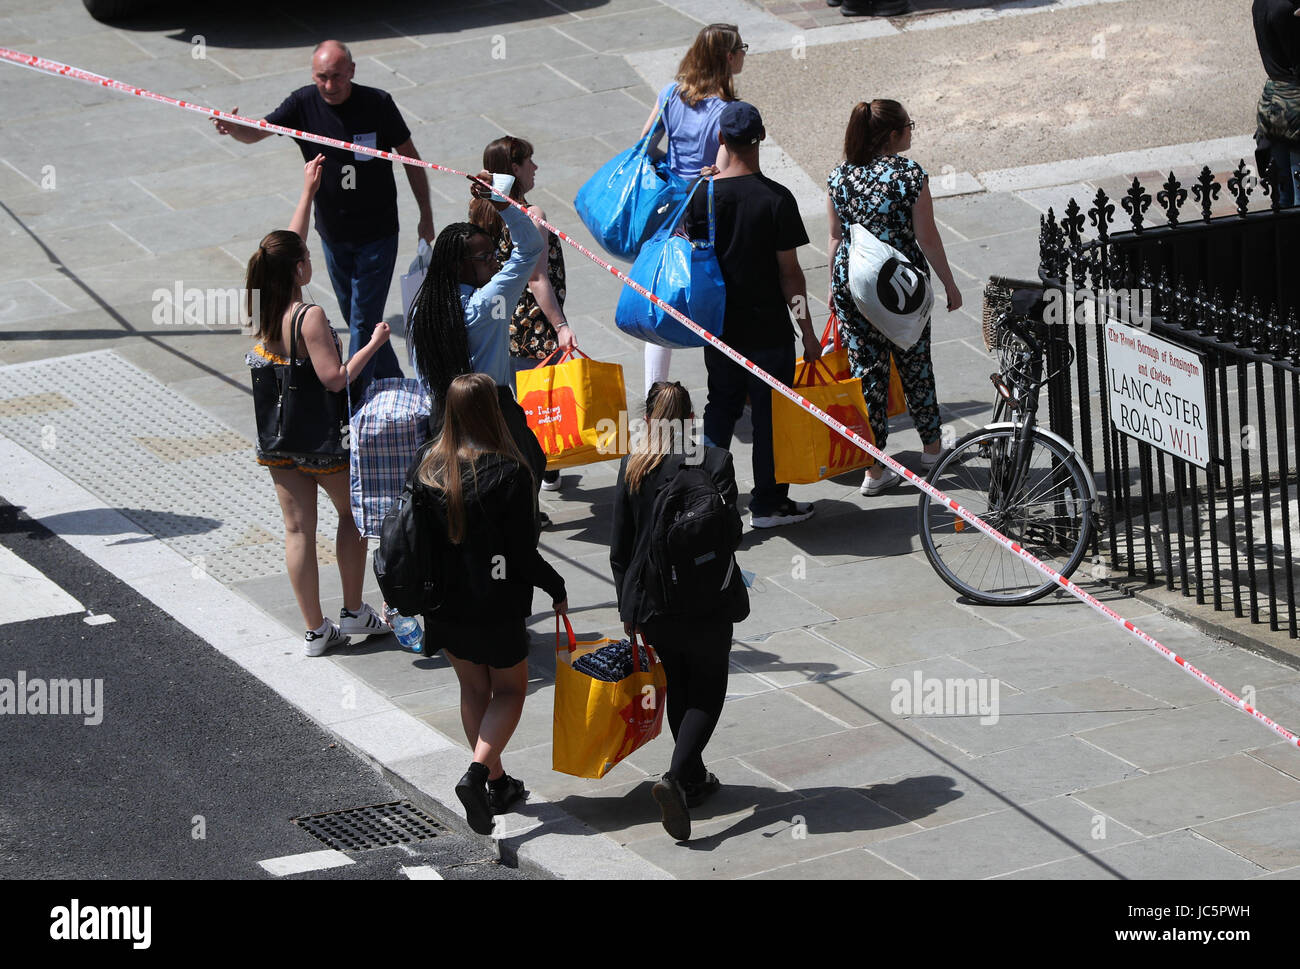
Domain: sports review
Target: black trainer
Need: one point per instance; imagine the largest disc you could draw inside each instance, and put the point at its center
(673, 811)
(472, 791)
(504, 792)
(701, 791)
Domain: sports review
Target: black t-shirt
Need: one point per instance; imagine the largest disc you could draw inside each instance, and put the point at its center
(1277, 31)
(756, 218)
(359, 205)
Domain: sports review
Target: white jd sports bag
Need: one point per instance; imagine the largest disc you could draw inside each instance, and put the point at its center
(893, 293)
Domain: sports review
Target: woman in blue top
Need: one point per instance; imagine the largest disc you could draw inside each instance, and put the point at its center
(460, 317)
(691, 107)
(878, 188)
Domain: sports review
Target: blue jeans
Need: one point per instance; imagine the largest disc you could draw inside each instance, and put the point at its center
(361, 276)
(729, 383)
(1285, 161)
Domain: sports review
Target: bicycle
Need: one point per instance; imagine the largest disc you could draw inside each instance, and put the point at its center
(1025, 481)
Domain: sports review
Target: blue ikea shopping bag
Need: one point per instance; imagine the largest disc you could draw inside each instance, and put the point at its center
(682, 273)
(627, 200)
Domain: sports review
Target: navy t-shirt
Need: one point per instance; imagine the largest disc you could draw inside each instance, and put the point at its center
(756, 218)
(358, 205)
(1277, 32)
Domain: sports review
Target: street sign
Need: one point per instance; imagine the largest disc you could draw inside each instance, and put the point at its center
(1157, 392)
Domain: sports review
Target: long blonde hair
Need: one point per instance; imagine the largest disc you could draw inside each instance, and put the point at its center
(472, 426)
(667, 408)
(705, 71)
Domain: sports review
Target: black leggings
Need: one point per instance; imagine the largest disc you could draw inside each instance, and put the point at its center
(694, 654)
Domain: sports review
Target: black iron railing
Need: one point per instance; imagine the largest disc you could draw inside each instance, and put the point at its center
(1225, 288)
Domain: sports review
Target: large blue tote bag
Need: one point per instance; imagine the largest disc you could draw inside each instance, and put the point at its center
(682, 273)
(627, 200)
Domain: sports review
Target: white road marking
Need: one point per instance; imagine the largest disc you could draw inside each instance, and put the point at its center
(27, 594)
(310, 861)
(98, 620)
(422, 873)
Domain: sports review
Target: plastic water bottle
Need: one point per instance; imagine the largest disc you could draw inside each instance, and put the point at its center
(407, 629)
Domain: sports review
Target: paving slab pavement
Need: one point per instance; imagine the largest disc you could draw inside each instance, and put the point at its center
(833, 764)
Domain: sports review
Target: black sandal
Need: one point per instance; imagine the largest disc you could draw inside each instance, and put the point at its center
(504, 793)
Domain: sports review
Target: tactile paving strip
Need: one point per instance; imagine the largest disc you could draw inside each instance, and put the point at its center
(157, 458)
(376, 826)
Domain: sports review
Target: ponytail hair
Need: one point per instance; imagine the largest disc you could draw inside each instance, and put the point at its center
(437, 323)
(871, 125)
(270, 277)
(473, 426)
(500, 156)
(667, 408)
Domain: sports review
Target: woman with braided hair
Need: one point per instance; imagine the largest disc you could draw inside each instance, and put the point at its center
(460, 318)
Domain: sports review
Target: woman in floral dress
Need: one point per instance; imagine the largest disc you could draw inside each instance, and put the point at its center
(537, 326)
(888, 194)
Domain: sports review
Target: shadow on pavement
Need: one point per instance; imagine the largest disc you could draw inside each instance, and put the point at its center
(247, 25)
(163, 524)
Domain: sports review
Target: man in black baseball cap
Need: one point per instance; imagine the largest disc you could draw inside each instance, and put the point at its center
(758, 233)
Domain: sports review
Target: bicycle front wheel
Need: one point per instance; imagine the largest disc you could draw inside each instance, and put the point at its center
(1043, 505)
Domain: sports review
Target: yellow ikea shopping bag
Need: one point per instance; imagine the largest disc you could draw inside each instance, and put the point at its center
(574, 408)
(805, 449)
(836, 359)
(598, 722)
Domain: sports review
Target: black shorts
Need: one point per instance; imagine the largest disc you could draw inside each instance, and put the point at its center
(500, 645)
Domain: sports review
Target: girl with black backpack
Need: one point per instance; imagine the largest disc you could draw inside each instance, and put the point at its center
(480, 499)
(676, 529)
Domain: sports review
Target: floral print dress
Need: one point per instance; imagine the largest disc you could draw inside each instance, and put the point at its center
(531, 334)
(880, 196)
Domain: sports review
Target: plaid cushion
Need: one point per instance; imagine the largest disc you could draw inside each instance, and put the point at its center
(387, 431)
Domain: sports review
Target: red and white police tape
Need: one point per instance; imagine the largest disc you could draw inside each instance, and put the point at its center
(45, 66)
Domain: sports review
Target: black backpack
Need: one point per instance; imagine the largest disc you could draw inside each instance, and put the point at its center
(691, 563)
(406, 561)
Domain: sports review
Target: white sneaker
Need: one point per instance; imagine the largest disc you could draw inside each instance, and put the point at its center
(788, 513)
(316, 643)
(364, 622)
(874, 486)
(549, 483)
(930, 460)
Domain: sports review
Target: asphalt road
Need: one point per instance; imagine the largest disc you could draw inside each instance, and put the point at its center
(189, 744)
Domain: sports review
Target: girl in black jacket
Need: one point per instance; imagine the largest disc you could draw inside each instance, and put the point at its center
(694, 649)
(481, 500)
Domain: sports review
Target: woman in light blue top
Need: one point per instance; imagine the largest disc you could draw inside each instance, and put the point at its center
(691, 107)
(460, 317)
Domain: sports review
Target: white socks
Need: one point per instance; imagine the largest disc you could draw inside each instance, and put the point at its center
(657, 359)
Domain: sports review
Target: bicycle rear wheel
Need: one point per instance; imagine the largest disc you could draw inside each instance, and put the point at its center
(1048, 513)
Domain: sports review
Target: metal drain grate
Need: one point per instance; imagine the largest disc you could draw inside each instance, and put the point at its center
(376, 826)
